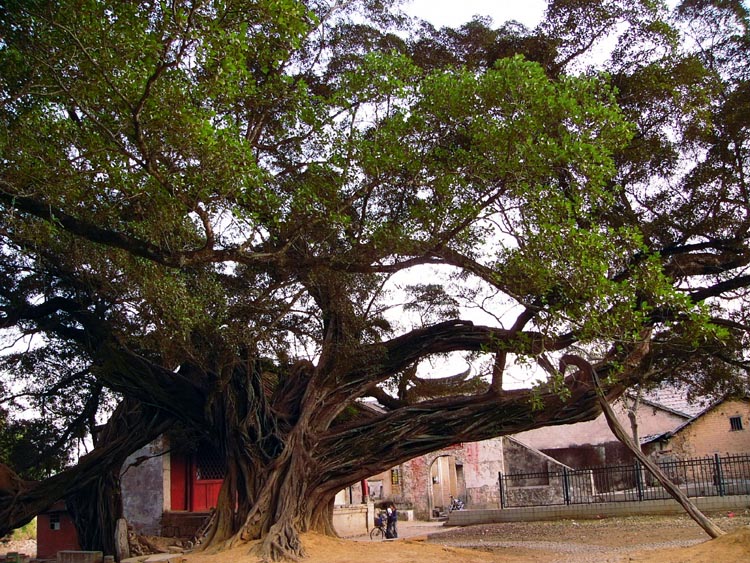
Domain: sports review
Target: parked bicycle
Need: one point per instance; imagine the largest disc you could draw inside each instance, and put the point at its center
(378, 532)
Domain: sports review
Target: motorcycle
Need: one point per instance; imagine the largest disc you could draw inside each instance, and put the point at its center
(456, 504)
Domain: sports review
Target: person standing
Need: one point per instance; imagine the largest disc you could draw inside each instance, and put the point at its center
(391, 529)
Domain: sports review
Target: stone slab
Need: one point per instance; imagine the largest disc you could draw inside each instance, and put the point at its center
(70, 556)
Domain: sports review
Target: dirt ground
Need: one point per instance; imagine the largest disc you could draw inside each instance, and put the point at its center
(642, 539)
(611, 540)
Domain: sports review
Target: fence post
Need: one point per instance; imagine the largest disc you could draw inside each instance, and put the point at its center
(719, 478)
(638, 480)
(566, 486)
(502, 493)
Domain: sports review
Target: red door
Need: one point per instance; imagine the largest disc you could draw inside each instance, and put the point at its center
(179, 479)
(208, 472)
(196, 479)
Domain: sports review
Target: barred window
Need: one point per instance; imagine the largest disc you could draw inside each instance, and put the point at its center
(735, 422)
(54, 521)
(209, 465)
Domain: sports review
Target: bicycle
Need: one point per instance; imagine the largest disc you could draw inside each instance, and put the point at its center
(379, 530)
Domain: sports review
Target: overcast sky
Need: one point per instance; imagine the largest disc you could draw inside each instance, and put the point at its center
(456, 12)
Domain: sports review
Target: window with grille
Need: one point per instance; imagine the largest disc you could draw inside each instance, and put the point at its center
(735, 422)
(209, 465)
(54, 521)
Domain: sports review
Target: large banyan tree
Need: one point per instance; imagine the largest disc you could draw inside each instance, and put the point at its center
(255, 219)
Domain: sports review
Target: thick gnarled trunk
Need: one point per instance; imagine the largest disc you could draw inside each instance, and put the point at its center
(272, 504)
(95, 510)
(132, 426)
(274, 489)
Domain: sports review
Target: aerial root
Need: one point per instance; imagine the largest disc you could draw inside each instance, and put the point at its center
(282, 545)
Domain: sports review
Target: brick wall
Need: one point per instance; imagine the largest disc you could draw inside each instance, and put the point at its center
(712, 432)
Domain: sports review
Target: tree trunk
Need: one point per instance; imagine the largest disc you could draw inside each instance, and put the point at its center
(96, 508)
(282, 500)
(132, 426)
(633, 416)
(273, 489)
(95, 511)
(708, 526)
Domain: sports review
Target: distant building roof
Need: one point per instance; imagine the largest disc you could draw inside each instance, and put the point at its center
(676, 399)
(663, 407)
(668, 435)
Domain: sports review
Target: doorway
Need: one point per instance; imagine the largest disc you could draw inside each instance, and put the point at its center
(446, 479)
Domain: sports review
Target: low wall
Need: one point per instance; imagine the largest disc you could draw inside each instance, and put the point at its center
(353, 519)
(350, 520)
(596, 510)
(182, 524)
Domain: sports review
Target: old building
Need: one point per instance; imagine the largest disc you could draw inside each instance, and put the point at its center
(55, 532)
(722, 428)
(591, 443)
(169, 492)
(422, 487)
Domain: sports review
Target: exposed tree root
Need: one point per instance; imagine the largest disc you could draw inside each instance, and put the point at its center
(282, 543)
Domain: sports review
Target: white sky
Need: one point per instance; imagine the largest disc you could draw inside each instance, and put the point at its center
(457, 12)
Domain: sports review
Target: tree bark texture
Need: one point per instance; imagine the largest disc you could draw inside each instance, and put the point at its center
(291, 446)
(284, 471)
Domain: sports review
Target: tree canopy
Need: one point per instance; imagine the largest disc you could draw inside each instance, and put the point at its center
(256, 219)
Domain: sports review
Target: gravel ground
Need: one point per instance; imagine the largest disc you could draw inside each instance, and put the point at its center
(587, 541)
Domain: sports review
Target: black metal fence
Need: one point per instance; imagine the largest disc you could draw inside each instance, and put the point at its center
(699, 477)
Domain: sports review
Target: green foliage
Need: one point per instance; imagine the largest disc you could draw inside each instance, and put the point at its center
(26, 532)
(204, 203)
(22, 442)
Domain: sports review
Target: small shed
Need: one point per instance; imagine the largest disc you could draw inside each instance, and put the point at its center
(55, 532)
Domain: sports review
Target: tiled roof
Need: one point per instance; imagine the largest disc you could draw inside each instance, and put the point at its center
(676, 399)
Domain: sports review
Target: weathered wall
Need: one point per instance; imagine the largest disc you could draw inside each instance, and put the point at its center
(417, 488)
(468, 471)
(483, 462)
(536, 495)
(611, 453)
(415, 485)
(143, 491)
(353, 520)
(538, 488)
(712, 432)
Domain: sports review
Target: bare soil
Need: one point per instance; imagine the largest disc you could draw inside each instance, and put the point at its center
(611, 540)
(643, 539)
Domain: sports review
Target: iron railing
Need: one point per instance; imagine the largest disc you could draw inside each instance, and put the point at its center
(698, 477)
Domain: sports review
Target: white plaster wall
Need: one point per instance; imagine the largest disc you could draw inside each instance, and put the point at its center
(482, 463)
(489, 461)
(353, 520)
